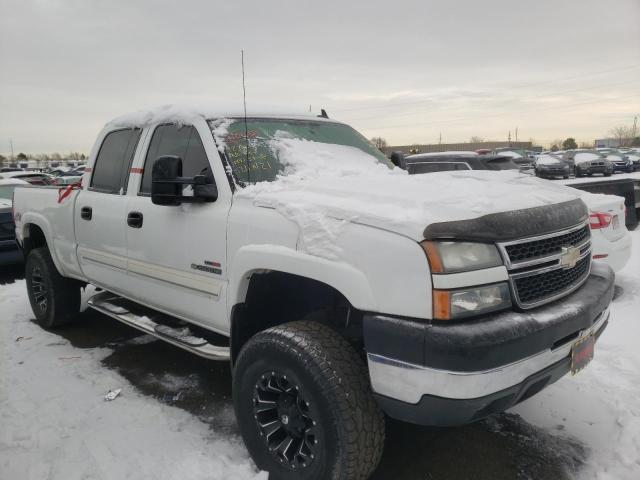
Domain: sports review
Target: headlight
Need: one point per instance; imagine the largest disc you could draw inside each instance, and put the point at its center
(455, 304)
(452, 257)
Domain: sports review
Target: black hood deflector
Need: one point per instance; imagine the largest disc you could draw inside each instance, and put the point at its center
(512, 225)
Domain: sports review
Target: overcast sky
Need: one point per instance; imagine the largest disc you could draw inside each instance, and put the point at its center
(404, 70)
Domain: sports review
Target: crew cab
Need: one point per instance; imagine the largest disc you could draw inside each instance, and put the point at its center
(338, 286)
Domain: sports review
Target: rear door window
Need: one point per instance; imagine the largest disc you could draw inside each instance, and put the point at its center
(183, 142)
(111, 170)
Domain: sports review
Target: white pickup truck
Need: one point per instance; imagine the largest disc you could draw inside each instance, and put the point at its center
(337, 285)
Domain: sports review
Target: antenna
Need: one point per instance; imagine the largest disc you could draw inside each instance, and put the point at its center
(246, 130)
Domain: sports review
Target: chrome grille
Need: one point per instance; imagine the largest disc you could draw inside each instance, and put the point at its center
(546, 246)
(547, 267)
(533, 288)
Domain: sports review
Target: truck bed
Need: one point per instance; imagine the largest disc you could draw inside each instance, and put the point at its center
(39, 207)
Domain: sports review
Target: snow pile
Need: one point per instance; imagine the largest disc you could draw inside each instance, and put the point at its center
(600, 405)
(220, 129)
(326, 184)
(56, 424)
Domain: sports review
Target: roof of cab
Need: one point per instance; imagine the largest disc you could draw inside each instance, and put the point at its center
(187, 114)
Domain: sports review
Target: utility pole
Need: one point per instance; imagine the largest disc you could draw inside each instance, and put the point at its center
(516, 134)
(440, 139)
(635, 124)
(11, 143)
(509, 137)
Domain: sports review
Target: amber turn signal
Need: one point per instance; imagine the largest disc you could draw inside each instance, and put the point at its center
(441, 305)
(433, 256)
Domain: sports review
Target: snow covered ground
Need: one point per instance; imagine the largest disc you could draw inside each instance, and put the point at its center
(55, 423)
(601, 405)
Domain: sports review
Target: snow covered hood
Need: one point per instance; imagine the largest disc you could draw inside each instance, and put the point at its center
(325, 181)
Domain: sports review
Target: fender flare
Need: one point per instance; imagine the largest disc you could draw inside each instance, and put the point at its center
(345, 278)
(32, 218)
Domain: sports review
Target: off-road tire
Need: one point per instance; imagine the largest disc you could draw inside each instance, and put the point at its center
(61, 303)
(333, 378)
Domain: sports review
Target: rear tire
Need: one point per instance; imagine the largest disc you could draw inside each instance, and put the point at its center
(304, 405)
(55, 300)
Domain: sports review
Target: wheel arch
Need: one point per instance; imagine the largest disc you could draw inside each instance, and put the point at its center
(36, 234)
(277, 285)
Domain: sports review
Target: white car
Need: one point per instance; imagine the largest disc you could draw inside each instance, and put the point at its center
(609, 235)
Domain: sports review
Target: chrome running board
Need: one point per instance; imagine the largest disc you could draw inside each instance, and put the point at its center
(141, 318)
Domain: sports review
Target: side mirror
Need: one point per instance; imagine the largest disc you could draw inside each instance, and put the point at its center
(167, 184)
(164, 188)
(397, 158)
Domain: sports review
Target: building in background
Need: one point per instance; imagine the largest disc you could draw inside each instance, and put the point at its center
(607, 143)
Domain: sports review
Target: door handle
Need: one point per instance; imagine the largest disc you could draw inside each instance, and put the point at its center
(134, 219)
(86, 213)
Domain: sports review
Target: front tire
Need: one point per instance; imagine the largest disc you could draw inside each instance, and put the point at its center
(55, 300)
(304, 405)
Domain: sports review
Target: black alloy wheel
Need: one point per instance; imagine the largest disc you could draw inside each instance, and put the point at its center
(285, 421)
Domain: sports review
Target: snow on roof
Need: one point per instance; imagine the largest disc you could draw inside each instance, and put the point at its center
(582, 157)
(187, 114)
(547, 160)
(509, 153)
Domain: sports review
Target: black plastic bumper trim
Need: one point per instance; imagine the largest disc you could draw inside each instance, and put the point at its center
(495, 340)
(446, 412)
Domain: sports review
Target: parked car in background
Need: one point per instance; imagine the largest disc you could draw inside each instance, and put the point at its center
(551, 166)
(620, 161)
(67, 180)
(609, 235)
(635, 159)
(10, 169)
(10, 253)
(58, 171)
(591, 162)
(34, 178)
(447, 161)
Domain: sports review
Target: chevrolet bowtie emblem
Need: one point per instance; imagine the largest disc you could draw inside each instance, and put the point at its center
(569, 257)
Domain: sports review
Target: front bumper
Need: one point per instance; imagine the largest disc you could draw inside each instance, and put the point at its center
(554, 172)
(622, 167)
(10, 253)
(593, 169)
(466, 371)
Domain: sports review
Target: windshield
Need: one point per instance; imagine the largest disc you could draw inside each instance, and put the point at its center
(6, 191)
(263, 162)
